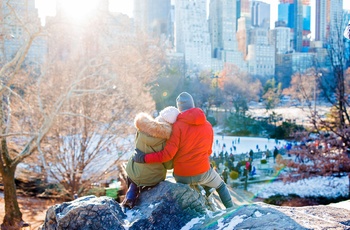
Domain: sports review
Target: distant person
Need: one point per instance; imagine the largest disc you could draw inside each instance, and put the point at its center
(232, 158)
(268, 154)
(253, 171)
(225, 175)
(151, 135)
(275, 153)
(251, 154)
(190, 145)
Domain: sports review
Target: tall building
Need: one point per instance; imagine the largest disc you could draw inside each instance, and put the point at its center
(296, 14)
(245, 8)
(261, 14)
(286, 14)
(238, 12)
(298, 26)
(222, 24)
(261, 55)
(153, 17)
(329, 15)
(242, 36)
(17, 22)
(191, 33)
(321, 20)
(281, 38)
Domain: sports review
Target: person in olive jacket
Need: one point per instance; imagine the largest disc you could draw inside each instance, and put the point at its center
(151, 135)
(190, 147)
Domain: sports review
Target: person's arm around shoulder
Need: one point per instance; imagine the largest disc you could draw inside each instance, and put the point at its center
(168, 153)
(170, 149)
(211, 133)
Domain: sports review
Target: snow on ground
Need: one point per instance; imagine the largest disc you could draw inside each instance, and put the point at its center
(320, 186)
(245, 144)
(300, 114)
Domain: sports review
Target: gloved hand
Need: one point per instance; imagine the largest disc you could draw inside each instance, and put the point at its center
(139, 156)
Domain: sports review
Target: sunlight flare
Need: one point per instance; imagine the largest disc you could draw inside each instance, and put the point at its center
(79, 10)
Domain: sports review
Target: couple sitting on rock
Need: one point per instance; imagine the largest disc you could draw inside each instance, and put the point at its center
(179, 138)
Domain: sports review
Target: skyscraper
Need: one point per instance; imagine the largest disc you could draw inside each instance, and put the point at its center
(153, 17)
(281, 37)
(296, 14)
(17, 21)
(329, 18)
(260, 14)
(222, 24)
(191, 33)
(261, 55)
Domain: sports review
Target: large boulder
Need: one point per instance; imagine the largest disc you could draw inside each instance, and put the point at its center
(176, 206)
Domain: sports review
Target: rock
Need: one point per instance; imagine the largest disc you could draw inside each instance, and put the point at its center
(176, 206)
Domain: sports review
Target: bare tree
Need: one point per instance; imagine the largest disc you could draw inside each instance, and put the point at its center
(239, 88)
(272, 93)
(80, 92)
(328, 152)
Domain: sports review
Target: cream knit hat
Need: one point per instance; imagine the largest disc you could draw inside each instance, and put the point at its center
(169, 114)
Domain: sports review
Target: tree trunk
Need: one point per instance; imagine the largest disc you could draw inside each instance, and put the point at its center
(13, 215)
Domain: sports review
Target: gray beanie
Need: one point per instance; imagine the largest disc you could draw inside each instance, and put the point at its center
(184, 101)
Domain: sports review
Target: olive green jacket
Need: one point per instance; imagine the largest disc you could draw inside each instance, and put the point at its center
(151, 136)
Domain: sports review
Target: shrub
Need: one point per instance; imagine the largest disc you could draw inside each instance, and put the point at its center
(233, 175)
(96, 191)
(211, 120)
(263, 161)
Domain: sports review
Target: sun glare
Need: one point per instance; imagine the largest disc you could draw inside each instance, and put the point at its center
(79, 9)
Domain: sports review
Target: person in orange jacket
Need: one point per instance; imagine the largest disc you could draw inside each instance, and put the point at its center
(190, 146)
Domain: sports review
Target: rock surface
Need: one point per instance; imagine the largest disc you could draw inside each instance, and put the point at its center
(177, 206)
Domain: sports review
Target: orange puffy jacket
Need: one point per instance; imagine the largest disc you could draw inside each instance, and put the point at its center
(190, 144)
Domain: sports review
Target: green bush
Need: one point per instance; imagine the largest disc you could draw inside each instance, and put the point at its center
(97, 191)
(234, 175)
(211, 120)
(263, 161)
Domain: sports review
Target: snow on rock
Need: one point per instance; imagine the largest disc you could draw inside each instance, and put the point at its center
(176, 206)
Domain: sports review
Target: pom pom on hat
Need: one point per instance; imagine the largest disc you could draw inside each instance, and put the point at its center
(169, 114)
(184, 101)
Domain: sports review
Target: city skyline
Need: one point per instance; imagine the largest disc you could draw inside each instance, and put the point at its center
(223, 38)
(47, 8)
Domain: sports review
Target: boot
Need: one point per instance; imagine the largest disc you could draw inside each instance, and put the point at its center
(225, 195)
(131, 196)
(208, 190)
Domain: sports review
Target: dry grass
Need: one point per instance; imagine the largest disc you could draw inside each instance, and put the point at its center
(33, 209)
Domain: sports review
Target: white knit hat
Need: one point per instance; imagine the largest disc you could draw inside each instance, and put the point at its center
(169, 114)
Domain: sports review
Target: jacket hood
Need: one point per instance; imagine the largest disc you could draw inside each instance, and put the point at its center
(193, 116)
(147, 124)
